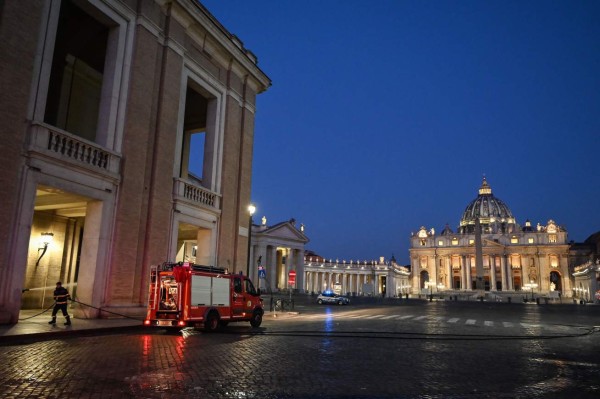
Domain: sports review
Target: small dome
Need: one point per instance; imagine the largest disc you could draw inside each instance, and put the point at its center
(493, 214)
(447, 230)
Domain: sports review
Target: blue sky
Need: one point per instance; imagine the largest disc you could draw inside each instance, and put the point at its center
(384, 115)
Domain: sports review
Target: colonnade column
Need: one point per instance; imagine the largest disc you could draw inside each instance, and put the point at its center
(300, 270)
(349, 283)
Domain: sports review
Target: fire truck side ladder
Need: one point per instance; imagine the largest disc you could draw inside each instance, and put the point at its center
(153, 285)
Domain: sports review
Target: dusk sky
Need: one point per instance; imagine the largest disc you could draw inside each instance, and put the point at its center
(383, 115)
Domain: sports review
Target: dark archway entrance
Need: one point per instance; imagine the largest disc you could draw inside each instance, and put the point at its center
(424, 278)
(556, 280)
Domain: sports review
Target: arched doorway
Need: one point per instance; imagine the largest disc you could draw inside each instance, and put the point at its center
(424, 278)
(556, 280)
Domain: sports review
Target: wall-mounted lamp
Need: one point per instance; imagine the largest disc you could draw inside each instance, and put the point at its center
(45, 240)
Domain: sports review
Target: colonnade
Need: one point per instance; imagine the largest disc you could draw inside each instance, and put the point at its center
(346, 281)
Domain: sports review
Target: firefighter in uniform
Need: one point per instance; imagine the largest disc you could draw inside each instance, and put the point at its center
(61, 295)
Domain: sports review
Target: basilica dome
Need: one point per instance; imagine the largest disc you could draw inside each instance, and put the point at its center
(493, 214)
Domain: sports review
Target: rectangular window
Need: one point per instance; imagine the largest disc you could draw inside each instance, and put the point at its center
(456, 262)
(515, 261)
(530, 240)
(553, 261)
(440, 243)
(552, 238)
(77, 74)
(455, 241)
(471, 241)
(514, 240)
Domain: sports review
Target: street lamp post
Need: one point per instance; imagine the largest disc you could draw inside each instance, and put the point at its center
(251, 210)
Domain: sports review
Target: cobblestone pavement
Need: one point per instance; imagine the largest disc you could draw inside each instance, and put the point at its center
(425, 351)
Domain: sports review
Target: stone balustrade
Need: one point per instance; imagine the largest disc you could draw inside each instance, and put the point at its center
(58, 144)
(194, 194)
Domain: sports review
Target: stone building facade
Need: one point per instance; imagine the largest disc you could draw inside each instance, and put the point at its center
(278, 250)
(491, 252)
(585, 257)
(127, 133)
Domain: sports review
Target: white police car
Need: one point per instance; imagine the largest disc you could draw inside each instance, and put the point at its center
(333, 298)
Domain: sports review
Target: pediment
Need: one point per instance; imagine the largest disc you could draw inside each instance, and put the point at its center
(284, 232)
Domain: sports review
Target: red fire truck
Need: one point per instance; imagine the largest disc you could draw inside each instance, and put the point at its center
(189, 295)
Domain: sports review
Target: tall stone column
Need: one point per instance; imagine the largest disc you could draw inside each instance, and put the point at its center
(433, 278)
(509, 275)
(450, 284)
(272, 267)
(503, 272)
(492, 273)
(318, 282)
(567, 287)
(469, 274)
(349, 283)
(463, 272)
(300, 270)
(416, 275)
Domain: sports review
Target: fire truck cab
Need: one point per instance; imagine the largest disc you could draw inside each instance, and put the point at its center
(189, 295)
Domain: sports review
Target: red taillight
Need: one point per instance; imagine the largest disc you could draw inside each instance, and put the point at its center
(146, 322)
(181, 323)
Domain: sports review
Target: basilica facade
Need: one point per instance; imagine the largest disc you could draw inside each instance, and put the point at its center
(490, 252)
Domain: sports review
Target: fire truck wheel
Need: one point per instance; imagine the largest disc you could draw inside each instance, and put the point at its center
(256, 319)
(212, 322)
